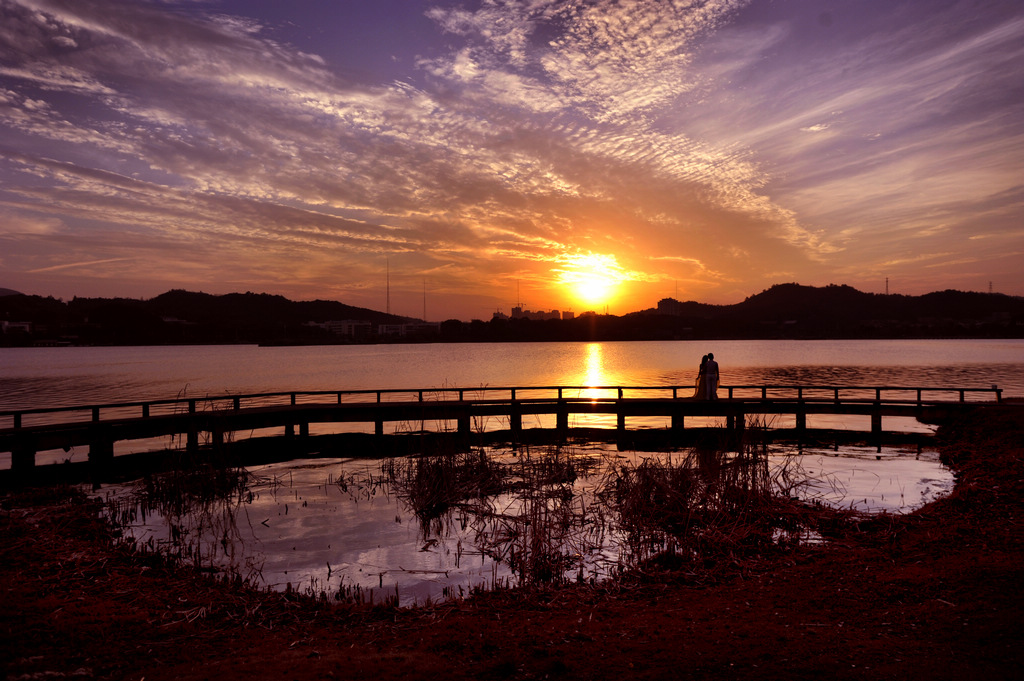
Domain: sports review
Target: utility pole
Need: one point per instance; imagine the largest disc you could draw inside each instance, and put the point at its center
(387, 285)
(887, 286)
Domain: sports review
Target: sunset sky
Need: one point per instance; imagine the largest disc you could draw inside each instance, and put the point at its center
(571, 154)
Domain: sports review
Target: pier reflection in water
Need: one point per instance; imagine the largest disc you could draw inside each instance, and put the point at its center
(355, 528)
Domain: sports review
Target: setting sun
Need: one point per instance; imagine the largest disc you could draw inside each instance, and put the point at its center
(592, 279)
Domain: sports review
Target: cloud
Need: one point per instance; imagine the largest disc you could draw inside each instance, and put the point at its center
(76, 265)
(541, 128)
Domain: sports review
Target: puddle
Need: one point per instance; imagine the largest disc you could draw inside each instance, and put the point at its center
(893, 480)
(350, 528)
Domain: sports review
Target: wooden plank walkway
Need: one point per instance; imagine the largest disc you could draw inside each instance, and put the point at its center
(24, 433)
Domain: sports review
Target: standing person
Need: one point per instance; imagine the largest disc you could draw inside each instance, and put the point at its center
(711, 377)
(701, 392)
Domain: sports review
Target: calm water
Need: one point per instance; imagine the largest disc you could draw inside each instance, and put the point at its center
(301, 527)
(47, 377)
(333, 525)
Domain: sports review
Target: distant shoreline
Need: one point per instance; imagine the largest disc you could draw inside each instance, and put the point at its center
(783, 312)
(443, 340)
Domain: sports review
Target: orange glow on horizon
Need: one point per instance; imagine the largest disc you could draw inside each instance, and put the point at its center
(592, 279)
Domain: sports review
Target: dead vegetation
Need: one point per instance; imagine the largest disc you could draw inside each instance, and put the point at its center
(931, 595)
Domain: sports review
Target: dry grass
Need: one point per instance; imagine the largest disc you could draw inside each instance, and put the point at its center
(696, 510)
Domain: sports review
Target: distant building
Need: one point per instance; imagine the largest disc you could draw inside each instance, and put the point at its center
(350, 328)
(421, 328)
(520, 313)
(670, 306)
(410, 329)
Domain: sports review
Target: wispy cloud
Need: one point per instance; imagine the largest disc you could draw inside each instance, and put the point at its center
(542, 129)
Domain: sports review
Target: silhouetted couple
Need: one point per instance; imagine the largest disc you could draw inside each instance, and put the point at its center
(707, 378)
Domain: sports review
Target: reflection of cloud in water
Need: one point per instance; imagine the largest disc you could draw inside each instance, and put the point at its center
(864, 479)
(302, 528)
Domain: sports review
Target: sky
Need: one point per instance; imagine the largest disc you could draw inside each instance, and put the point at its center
(446, 160)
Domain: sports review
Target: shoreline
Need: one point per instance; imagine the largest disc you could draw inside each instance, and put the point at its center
(932, 594)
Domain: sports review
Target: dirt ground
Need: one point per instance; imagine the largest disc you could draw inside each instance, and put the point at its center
(933, 595)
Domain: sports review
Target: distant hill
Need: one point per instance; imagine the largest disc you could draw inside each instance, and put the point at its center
(8, 292)
(796, 311)
(182, 317)
(784, 311)
(239, 307)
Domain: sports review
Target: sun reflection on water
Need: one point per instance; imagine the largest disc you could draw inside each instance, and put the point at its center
(593, 371)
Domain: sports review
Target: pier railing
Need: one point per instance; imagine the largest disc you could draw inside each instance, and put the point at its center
(886, 395)
(26, 432)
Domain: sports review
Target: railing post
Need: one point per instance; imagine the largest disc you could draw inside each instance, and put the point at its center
(192, 438)
(23, 456)
(95, 413)
(145, 410)
(620, 417)
(515, 418)
(562, 416)
(678, 420)
(101, 448)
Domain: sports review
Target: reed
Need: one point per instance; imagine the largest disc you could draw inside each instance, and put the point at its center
(198, 506)
(433, 484)
(697, 506)
(540, 528)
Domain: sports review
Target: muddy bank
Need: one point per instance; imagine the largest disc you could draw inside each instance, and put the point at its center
(930, 595)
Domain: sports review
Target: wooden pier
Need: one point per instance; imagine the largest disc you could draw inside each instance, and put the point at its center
(191, 424)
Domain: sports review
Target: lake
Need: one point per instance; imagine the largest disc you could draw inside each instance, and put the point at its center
(49, 377)
(336, 525)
